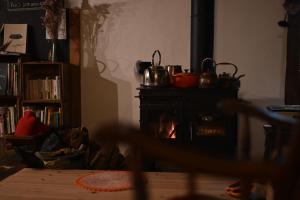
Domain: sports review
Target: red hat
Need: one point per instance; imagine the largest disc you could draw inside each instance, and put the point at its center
(29, 125)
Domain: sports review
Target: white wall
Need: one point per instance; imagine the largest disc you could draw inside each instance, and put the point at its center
(246, 33)
(132, 31)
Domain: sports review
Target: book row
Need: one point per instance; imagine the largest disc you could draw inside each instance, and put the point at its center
(9, 84)
(47, 88)
(48, 115)
(8, 119)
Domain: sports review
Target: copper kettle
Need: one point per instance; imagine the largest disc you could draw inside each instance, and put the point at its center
(225, 80)
(208, 77)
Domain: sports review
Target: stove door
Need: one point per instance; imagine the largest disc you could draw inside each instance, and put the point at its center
(160, 121)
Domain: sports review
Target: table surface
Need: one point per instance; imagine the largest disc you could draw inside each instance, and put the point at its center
(45, 184)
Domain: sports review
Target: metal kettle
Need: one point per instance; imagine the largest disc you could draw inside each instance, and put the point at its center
(173, 70)
(208, 77)
(225, 80)
(156, 75)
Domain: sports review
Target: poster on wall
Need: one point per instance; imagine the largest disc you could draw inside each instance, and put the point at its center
(15, 35)
(20, 5)
(37, 44)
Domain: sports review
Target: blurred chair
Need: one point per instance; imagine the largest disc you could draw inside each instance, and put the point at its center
(282, 177)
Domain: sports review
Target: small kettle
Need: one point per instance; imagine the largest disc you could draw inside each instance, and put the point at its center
(173, 70)
(156, 75)
(225, 80)
(208, 77)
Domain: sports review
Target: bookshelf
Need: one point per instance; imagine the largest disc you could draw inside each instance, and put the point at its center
(50, 89)
(10, 91)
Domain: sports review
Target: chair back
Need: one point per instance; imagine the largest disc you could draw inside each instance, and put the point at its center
(282, 177)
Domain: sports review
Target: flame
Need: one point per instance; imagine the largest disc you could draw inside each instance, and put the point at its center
(172, 131)
(166, 126)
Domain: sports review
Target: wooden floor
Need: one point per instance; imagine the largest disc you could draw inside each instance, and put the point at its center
(47, 184)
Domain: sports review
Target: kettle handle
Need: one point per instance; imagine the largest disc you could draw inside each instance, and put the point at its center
(205, 60)
(159, 57)
(227, 63)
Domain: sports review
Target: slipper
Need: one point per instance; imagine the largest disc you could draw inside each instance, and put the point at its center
(233, 186)
(234, 193)
(234, 189)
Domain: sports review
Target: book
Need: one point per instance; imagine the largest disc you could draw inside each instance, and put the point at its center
(57, 87)
(2, 121)
(12, 118)
(8, 122)
(3, 78)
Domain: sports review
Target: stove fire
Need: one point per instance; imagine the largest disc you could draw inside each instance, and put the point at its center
(167, 127)
(172, 132)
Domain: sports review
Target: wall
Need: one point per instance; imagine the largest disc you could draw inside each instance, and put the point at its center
(114, 39)
(116, 36)
(247, 34)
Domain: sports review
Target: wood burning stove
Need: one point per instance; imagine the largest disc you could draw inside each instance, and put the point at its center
(189, 117)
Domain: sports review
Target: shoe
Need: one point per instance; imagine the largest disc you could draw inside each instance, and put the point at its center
(234, 189)
(257, 191)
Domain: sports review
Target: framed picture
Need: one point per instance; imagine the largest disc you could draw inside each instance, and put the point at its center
(62, 28)
(16, 37)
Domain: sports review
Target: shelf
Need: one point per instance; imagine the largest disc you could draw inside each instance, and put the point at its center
(43, 63)
(41, 101)
(8, 97)
(8, 100)
(12, 137)
(13, 57)
(25, 140)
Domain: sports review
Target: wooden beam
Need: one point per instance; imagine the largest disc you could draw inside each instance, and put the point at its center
(74, 29)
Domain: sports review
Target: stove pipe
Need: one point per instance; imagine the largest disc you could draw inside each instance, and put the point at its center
(202, 32)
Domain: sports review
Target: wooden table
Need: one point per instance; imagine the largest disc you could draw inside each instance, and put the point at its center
(47, 184)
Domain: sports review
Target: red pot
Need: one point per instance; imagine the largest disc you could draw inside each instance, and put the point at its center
(185, 80)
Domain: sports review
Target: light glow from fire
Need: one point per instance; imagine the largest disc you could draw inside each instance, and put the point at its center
(167, 127)
(172, 131)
